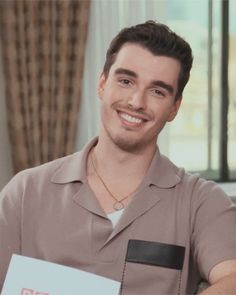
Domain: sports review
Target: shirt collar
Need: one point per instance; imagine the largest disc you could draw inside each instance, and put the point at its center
(162, 172)
(73, 168)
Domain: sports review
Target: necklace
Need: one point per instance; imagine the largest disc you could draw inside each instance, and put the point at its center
(118, 205)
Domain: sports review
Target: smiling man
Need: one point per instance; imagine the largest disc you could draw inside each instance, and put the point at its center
(119, 208)
(138, 98)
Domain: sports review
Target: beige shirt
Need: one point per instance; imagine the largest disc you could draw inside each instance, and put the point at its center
(50, 212)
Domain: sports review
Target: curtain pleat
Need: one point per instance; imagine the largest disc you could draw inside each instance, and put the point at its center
(43, 45)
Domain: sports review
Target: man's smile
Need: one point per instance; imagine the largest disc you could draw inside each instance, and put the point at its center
(130, 119)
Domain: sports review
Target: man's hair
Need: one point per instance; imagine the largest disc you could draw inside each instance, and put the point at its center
(159, 40)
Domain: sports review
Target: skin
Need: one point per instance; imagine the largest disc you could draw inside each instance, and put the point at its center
(143, 88)
(222, 279)
(138, 97)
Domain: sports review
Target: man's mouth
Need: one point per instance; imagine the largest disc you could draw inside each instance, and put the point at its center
(131, 119)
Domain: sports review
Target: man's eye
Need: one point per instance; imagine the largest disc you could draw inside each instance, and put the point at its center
(158, 92)
(125, 82)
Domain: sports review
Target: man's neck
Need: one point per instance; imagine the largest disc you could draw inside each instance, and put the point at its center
(115, 174)
(112, 160)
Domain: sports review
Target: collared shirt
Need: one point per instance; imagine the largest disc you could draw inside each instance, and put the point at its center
(50, 212)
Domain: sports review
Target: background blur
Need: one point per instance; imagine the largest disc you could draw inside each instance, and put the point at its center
(202, 138)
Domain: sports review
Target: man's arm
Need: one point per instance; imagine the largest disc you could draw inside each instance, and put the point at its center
(222, 279)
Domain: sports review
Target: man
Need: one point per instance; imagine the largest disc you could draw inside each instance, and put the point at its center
(119, 208)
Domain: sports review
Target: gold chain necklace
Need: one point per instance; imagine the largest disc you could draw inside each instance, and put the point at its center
(118, 205)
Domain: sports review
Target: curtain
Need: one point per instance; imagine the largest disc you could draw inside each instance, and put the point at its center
(43, 44)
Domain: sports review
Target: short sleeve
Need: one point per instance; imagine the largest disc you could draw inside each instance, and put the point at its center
(213, 227)
(10, 200)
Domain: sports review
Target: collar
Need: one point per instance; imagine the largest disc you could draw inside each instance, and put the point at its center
(161, 173)
(73, 167)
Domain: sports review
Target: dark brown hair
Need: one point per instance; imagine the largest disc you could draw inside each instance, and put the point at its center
(159, 40)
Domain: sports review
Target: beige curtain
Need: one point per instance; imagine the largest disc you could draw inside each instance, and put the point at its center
(43, 44)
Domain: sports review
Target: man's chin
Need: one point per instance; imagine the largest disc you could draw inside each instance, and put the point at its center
(128, 145)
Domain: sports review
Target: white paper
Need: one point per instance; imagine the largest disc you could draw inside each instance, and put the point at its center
(29, 276)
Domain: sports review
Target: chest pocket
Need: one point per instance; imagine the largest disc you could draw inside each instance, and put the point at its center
(152, 268)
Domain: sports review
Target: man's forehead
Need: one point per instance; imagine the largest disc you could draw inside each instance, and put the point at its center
(132, 53)
(135, 57)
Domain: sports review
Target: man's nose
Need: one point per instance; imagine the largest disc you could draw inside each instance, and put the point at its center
(137, 100)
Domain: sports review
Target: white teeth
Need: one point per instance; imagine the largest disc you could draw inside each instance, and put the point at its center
(130, 118)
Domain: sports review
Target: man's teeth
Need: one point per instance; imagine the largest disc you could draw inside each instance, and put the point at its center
(130, 118)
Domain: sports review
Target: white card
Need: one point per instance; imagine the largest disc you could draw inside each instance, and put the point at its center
(30, 276)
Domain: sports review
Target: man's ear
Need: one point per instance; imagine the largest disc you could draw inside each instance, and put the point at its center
(175, 109)
(101, 85)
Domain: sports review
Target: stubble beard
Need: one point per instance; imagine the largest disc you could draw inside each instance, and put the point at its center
(128, 144)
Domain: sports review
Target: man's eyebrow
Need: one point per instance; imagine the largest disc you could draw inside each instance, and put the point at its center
(122, 71)
(159, 83)
(164, 85)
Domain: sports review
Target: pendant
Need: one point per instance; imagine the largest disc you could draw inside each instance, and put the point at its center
(118, 206)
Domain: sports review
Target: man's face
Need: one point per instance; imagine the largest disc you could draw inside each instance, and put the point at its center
(138, 97)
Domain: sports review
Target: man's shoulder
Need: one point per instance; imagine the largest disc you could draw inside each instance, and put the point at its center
(41, 174)
(201, 190)
(62, 170)
(193, 184)
(169, 168)
(48, 168)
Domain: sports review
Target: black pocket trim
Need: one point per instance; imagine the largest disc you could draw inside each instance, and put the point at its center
(155, 253)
